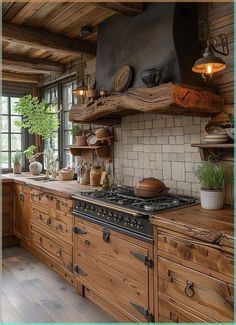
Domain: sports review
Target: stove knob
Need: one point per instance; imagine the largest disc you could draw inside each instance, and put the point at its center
(115, 217)
(139, 224)
(78, 205)
(133, 223)
(120, 218)
(92, 208)
(127, 221)
(100, 211)
(110, 215)
(86, 207)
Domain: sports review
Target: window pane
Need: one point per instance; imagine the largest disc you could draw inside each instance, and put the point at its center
(4, 159)
(68, 138)
(16, 142)
(67, 123)
(5, 123)
(4, 142)
(68, 159)
(14, 102)
(15, 128)
(55, 141)
(4, 109)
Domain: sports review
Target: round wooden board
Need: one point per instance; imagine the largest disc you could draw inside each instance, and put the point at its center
(123, 78)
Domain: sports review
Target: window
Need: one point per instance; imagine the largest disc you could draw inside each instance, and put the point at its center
(11, 135)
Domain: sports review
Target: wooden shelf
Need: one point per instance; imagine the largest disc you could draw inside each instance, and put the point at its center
(215, 145)
(102, 151)
(167, 98)
(76, 146)
(224, 150)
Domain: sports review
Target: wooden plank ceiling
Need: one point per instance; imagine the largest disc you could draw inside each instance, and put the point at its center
(50, 32)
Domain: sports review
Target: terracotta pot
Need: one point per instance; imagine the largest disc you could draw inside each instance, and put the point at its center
(17, 169)
(81, 140)
(150, 187)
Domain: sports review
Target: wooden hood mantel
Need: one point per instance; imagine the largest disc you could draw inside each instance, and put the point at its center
(168, 98)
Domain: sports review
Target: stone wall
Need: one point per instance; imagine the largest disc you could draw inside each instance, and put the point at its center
(152, 145)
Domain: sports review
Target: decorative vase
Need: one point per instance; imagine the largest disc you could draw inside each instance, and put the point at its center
(81, 140)
(35, 167)
(17, 168)
(212, 200)
(151, 77)
(48, 157)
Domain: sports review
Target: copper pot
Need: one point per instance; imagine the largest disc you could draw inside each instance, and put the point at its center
(150, 187)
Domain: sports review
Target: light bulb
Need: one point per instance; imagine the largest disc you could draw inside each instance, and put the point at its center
(81, 92)
(209, 69)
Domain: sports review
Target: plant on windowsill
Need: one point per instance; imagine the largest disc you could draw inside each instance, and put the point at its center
(39, 118)
(16, 159)
(35, 166)
(211, 175)
(79, 135)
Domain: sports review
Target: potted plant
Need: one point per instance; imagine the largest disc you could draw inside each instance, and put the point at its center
(40, 118)
(79, 135)
(35, 166)
(16, 159)
(212, 177)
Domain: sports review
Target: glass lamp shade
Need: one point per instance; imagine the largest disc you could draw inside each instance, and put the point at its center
(80, 89)
(209, 63)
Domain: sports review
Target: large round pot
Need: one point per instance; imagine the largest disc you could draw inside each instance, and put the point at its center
(35, 168)
(81, 140)
(150, 187)
(212, 200)
(17, 168)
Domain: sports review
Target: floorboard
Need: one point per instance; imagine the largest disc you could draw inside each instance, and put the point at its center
(33, 293)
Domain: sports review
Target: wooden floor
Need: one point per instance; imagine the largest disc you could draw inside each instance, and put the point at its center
(33, 293)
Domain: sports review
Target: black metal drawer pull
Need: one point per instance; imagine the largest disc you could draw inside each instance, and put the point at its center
(79, 231)
(87, 242)
(106, 235)
(79, 270)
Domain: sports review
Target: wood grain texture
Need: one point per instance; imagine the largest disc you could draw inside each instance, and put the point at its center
(33, 293)
(44, 40)
(164, 99)
(17, 77)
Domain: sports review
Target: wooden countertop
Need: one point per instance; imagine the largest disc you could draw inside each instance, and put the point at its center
(212, 226)
(62, 188)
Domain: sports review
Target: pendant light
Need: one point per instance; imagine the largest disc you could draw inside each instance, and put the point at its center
(80, 87)
(209, 63)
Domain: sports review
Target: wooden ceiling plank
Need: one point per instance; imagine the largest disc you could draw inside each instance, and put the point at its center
(27, 11)
(13, 11)
(123, 8)
(25, 64)
(45, 40)
(8, 76)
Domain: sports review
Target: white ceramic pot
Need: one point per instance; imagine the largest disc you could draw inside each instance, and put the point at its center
(212, 200)
(35, 168)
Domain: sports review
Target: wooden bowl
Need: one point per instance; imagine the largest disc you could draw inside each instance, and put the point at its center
(150, 187)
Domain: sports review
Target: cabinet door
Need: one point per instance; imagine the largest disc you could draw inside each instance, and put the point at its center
(7, 217)
(18, 211)
(26, 215)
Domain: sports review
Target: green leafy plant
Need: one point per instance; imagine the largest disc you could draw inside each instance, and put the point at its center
(38, 117)
(211, 175)
(29, 152)
(77, 130)
(16, 158)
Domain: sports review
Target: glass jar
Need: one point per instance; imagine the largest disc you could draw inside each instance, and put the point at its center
(95, 175)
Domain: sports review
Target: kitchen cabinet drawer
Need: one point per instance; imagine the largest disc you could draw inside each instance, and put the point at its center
(105, 245)
(114, 286)
(59, 223)
(170, 312)
(51, 201)
(209, 296)
(60, 251)
(205, 254)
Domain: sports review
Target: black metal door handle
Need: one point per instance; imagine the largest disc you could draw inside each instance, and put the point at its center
(106, 235)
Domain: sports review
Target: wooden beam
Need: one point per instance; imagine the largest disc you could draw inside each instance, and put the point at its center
(8, 76)
(23, 64)
(123, 8)
(48, 41)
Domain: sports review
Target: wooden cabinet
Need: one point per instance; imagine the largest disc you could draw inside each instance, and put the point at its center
(22, 213)
(112, 266)
(194, 266)
(8, 237)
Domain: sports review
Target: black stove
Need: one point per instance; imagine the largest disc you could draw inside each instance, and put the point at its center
(122, 210)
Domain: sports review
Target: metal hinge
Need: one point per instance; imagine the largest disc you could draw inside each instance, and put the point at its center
(145, 312)
(147, 261)
(78, 230)
(78, 270)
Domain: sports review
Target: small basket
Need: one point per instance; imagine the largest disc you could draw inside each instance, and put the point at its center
(63, 176)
